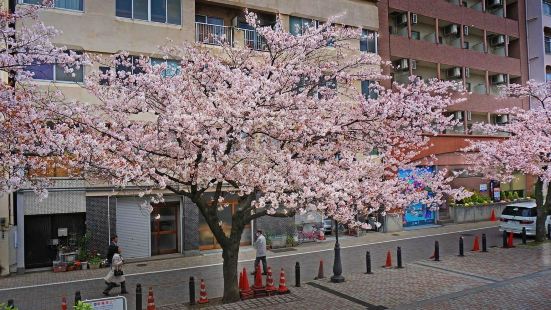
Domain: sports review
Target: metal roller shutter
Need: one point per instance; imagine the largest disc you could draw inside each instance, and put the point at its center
(133, 228)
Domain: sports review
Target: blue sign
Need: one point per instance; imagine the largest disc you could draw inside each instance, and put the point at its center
(417, 213)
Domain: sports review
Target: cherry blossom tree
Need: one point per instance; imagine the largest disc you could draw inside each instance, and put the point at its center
(25, 110)
(526, 150)
(284, 130)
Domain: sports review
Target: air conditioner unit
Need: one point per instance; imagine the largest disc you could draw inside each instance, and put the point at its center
(413, 63)
(402, 19)
(497, 40)
(451, 30)
(502, 119)
(453, 72)
(458, 116)
(498, 79)
(235, 21)
(467, 72)
(494, 3)
(465, 30)
(414, 18)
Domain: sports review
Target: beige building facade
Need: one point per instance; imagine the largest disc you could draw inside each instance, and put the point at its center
(141, 27)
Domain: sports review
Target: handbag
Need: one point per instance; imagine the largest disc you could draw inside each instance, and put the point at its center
(118, 272)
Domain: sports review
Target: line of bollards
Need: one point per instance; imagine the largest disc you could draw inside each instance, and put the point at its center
(523, 235)
(368, 262)
(436, 251)
(297, 274)
(484, 246)
(461, 247)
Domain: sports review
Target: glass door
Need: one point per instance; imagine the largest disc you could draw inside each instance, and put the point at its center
(164, 228)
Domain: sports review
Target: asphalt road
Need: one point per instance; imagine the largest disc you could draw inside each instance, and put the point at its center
(171, 287)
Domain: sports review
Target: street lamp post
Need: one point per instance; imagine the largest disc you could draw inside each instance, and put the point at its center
(337, 265)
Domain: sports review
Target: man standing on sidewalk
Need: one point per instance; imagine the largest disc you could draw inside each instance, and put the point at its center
(260, 246)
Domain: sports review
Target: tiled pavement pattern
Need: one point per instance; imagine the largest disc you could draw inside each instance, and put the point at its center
(518, 278)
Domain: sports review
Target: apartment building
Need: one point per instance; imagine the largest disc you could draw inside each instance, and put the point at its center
(139, 27)
(479, 43)
(538, 28)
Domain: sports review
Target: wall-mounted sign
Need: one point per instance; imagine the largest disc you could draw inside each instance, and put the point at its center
(483, 188)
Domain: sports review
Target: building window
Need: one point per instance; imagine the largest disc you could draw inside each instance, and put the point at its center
(298, 25)
(211, 30)
(56, 73)
(546, 7)
(369, 92)
(547, 45)
(368, 41)
(415, 35)
(76, 5)
(161, 11)
(130, 66)
(172, 66)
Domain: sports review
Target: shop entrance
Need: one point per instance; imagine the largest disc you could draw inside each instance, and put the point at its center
(164, 228)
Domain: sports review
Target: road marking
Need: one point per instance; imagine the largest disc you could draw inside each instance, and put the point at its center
(463, 273)
(243, 261)
(353, 299)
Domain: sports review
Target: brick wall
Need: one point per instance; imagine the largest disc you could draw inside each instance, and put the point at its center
(97, 222)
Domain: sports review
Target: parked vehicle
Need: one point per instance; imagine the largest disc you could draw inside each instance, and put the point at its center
(311, 235)
(328, 226)
(518, 215)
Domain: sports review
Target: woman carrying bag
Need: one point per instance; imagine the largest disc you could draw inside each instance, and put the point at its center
(115, 277)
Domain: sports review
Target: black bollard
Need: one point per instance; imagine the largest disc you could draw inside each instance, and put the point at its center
(549, 231)
(523, 235)
(436, 251)
(11, 303)
(77, 297)
(504, 239)
(484, 247)
(191, 290)
(461, 250)
(368, 262)
(138, 296)
(399, 257)
(297, 274)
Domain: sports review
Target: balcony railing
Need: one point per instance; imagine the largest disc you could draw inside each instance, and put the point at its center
(253, 40)
(213, 34)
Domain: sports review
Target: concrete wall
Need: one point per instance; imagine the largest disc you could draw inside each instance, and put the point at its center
(7, 246)
(536, 49)
(393, 223)
(475, 213)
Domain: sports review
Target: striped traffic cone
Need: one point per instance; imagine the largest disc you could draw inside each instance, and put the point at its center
(270, 287)
(150, 300)
(282, 287)
(203, 293)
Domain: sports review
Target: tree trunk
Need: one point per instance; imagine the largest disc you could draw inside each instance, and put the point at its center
(230, 253)
(541, 209)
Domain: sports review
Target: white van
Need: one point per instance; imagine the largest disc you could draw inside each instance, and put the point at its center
(518, 215)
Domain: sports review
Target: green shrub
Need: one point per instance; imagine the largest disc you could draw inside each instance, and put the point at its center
(83, 306)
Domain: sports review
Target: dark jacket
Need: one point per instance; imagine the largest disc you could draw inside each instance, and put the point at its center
(111, 251)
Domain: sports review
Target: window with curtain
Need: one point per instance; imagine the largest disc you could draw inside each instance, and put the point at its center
(298, 25)
(161, 11)
(56, 73)
(76, 5)
(172, 66)
(546, 7)
(368, 41)
(367, 91)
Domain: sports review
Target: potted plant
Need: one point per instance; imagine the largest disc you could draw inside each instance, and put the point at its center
(83, 259)
(95, 261)
(83, 306)
(71, 266)
(6, 307)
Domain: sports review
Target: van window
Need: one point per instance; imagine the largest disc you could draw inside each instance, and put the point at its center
(519, 211)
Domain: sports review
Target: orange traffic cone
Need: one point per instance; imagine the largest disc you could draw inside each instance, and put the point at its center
(388, 263)
(240, 281)
(63, 303)
(476, 246)
(282, 287)
(320, 271)
(203, 293)
(258, 287)
(493, 216)
(510, 240)
(150, 300)
(270, 287)
(246, 291)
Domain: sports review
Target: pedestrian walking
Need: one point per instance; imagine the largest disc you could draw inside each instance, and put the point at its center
(112, 249)
(115, 277)
(260, 246)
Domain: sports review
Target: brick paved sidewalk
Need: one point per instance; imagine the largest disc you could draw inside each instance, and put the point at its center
(518, 278)
(213, 258)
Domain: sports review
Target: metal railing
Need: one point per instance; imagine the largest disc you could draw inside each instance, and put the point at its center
(253, 40)
(213, 34)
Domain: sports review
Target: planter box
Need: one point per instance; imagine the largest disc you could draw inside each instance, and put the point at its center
(478, 213)
(279, 242)
(60, 268)
(94, 266)
(393, 223)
